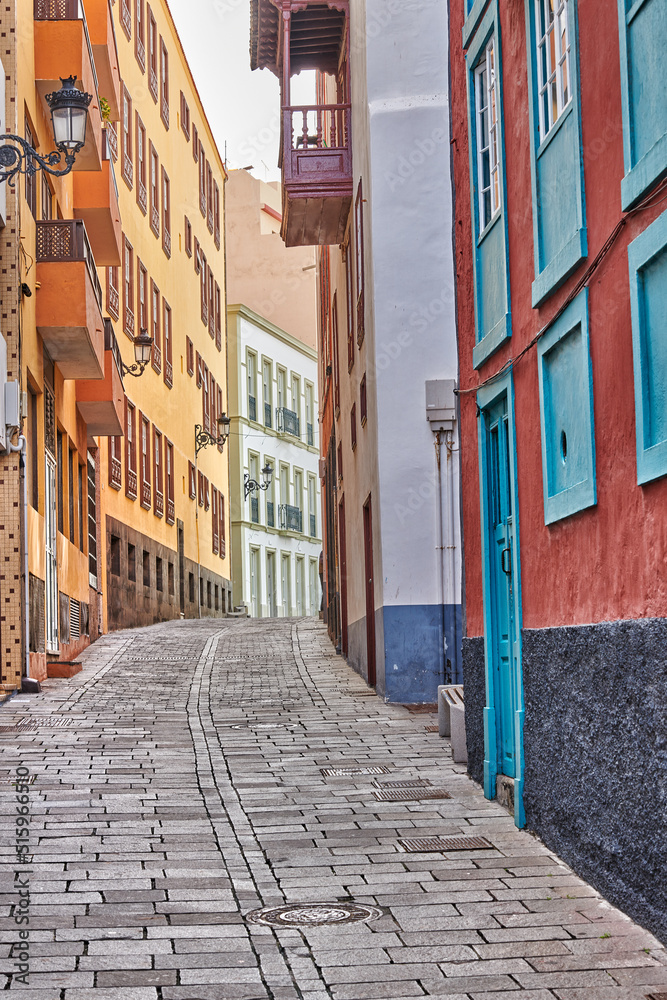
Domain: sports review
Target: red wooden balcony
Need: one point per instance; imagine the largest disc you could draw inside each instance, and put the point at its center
(317, 174)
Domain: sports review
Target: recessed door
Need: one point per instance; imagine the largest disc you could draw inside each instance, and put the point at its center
(271, 584)
(50, 537)
(370, 592)
(343, 575)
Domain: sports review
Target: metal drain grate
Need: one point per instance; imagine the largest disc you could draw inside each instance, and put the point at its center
(418, 845)
(432, 729)
(360, 694)
(340, 772)
(411, 783)
(39, 722)
(410, 794)
(22, 781)
(656, 996)
(313, 914)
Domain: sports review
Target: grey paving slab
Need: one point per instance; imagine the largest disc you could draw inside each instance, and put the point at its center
(156, 826)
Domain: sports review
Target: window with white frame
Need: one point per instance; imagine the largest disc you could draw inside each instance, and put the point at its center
(553, 61)
(486, 109)
(296, 394)
(266, 384)
(252, 386)
(281, 388)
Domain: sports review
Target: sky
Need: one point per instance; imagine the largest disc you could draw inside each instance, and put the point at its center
(242, 107)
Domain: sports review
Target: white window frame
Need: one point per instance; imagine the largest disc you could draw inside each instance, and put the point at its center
(487, 133)
(552, 39)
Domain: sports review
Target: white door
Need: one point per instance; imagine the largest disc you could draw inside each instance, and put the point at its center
(254, 576)
(285, 586)
(312, 587)
(271, 584)
(50, 534)
(299, 587)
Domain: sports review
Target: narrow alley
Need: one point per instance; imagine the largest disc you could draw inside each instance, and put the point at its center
(195, 773)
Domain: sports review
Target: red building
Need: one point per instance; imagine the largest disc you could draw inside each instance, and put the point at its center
(559, 121)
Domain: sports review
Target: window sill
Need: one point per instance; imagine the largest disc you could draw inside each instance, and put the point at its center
(648, 171)
(492, 341)
(472, 21)
(560, 268)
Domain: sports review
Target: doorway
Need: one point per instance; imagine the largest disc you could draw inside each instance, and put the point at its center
(370, 592)
(272, 610)
(50, 537)
(343, 575)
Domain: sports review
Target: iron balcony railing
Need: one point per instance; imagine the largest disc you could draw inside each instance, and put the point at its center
(254, 510)
(270, 517)
(267, 414)
(290, 518)
(309, 434)
(252, 408)
(313, 526)
(287, 421)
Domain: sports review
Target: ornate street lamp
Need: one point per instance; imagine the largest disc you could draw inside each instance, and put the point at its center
(143, 345)
(69, 115)
(203, 439)
(251, 485)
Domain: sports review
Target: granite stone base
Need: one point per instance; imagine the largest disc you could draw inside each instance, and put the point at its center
(474, 693)
(595, 747)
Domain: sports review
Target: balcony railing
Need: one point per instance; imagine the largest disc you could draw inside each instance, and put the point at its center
(115, 472)
(324, 127)
(267, 414)
(287, 421)
(159, 504)
(66, 240)
(313, 526)
(254, 510)
(168, 373)
(309, 434)
(270, 517)
(291, 518)
(111, 344)
(146, 495)
(131, 484)
(252, 408)
(112, 140)
(56, 10)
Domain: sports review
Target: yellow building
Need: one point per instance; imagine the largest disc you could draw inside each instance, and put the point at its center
(99, 527)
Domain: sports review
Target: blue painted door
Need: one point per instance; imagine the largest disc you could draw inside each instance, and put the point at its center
(503, 611)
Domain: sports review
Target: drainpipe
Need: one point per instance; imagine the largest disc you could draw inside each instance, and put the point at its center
(451, 548)
(441, 560)
(22, 448)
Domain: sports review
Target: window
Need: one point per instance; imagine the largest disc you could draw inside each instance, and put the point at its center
(112, 300)
(170, 578)
(359, 259)
(192, 485)
(566, 413)
(197, 260)
(221, 516)
(336, 366)
(214, 517)
(185, 117)
(60, 485)
(166, 214)
(130, 451)
(140, 34)
(141, 161)
(142, 303)
(145, 463)
(32, 467)
(339, 460)
(267, 392)
(114, 553)
(281, 388)
(218, 317)
(203, 289)
(30, 179)
(312, 506)
(47, 198)
(131, 562)
(349, 303)
(155, 189)
(207, 501)
(114, 462)
(486, 106)
(353, 426)
(209, 197)
(128, 289)
(127, 169)
(191, 588)
(92, 519)
(166, 326)
(642, 32)
(82, 480)
(70, 493)
(188, 237)
(252, 386)
(164, 83)
(216, 213)
(189, 356)
(206, 399)
(559, 233)
(158, 573)
(489, 219)
(169, 480)
(147, 568)
(202, 181)
(126, 17)
(195, 143)
(296, 395)
(647, 258)
(211, 303)
(156, 353)
(152, 53)
(310, 415)
(158, 498)
(363, 406)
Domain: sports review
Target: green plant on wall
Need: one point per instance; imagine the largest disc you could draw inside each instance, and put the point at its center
(105, 109)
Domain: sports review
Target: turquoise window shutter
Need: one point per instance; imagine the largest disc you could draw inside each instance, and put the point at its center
(647, 258)
(642, 34)
(559, 227)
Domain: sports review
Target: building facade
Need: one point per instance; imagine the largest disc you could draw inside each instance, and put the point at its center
(366, 177)
(166, 511)
(98, 530)
(276, 532)
(560, 148)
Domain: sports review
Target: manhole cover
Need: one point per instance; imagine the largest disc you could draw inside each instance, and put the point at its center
(410, 794)
(313, 914)
(338, 772)
(432, 729)
(411, 783)
(422, 844)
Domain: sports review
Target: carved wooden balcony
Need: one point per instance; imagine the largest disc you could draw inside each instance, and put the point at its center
(317, 174)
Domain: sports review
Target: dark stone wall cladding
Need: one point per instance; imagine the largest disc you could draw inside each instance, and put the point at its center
(595, 744)
(474, 688)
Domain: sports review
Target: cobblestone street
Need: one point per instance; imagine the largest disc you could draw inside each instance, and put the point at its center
(179, 784)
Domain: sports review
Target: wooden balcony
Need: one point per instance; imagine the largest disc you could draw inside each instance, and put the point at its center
(62, 40)
(96, 202)
(101, 402)
(69, 299)
(105, 52)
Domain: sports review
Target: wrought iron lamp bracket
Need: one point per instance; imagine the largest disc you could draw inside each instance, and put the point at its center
(203, 439)
(251, 485)
(23, 159)
(135, 370)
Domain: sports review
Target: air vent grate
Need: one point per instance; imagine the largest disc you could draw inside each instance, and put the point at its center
(417, 845)
(344, 772)
(410, 794)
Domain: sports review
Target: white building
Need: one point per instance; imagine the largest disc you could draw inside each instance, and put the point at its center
(276, 532)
